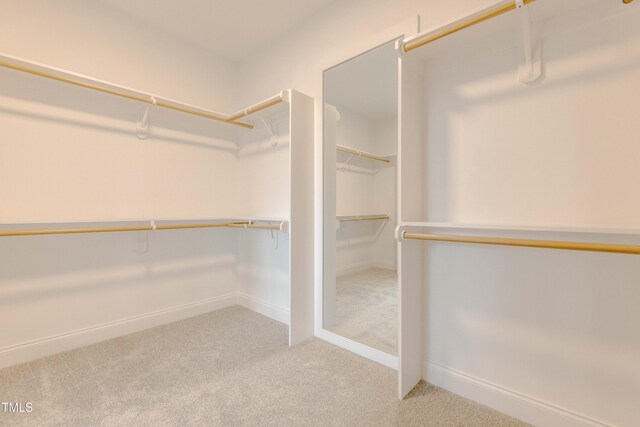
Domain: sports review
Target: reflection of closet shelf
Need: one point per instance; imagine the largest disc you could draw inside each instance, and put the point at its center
(349, 150)
(355, 218)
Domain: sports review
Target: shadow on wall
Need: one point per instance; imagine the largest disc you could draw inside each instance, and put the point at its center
(549, 317)
(466, 83)
(74, 106)
(38, 257)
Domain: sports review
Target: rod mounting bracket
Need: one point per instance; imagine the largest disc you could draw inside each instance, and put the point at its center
(142, 126)
(272, 127)
(530, 67)
(399, 234)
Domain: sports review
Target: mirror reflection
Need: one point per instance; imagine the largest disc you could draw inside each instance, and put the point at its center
(360, 150)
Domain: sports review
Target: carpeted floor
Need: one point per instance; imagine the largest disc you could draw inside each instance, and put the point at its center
(227, 368)
(367, 308)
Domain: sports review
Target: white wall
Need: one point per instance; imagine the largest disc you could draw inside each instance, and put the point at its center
(264, 190)
(336, 34)
(557, 327)
(552, 332)
(91, 39)
(69, 154)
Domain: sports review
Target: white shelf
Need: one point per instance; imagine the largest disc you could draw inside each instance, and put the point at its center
(365, 154)
(575, 230)
(360, 216)
(549, 17)
(116, 222)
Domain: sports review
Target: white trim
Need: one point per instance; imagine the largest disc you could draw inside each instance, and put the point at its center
(385, 359)
(404, 29)
(24, 352)
(500, 398)
(272, 311)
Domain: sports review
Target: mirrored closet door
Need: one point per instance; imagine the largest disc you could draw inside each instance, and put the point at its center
(360, 179)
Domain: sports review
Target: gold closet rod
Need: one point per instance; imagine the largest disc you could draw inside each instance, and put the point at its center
(11, 233)
(463, 24)
(255, 108)
(545, 244)
(365, 218)
(366, 155)
(469, 22)
(146, 98)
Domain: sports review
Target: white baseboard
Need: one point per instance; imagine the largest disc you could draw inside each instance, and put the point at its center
(510, 402)
(272, 311)
(36, 349)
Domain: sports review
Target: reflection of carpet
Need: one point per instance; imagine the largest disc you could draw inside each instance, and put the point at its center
(367, 308)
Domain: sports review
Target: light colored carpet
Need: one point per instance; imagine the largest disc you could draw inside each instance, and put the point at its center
(367, 308)
(228, 368)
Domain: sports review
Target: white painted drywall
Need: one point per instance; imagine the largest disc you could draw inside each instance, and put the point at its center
(69, 154)
(336, 34)
(551, 333)
(554, 326)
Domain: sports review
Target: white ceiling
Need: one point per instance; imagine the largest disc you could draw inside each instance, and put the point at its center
(232, 29)
(366, 85)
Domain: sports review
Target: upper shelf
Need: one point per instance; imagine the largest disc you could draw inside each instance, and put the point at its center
(505, 28)
(358, 218)
(364, 154)
(26, 229)
(489, 227)
(87, 82)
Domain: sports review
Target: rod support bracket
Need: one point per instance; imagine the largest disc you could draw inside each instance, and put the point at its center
(285, 95)
(272, 128)
(142, 126)
(400, 230)
(400, 48)
(530, 67)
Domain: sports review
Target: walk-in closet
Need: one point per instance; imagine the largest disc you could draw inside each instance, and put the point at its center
(319, 213)
(111, 213)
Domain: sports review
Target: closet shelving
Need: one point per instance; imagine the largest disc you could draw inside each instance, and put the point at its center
(567, 29)
(46, 71)
(358, 218)
(22, 229)
(517, 228)
(363, 154)
(253, 170)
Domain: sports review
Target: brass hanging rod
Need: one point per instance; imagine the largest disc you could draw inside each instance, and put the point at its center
(364, 154)
(100, 86)
(151, 227)
(255, 108)
(365, 218)
(463, 24)
(545, 244)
